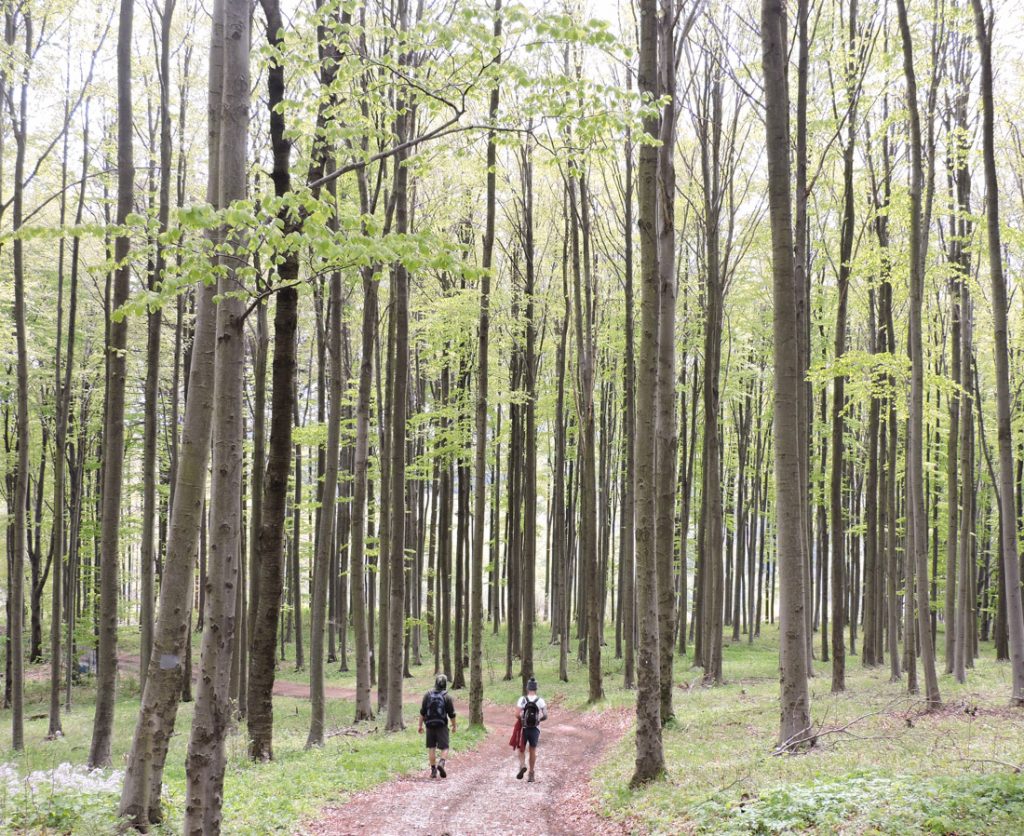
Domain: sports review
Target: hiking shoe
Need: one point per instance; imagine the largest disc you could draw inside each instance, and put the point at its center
(440, 770)
(530, 779)
(521, 773)
(433, 771)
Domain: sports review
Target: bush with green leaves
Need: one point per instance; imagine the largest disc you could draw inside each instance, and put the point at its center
(863, 803)
(64, 799)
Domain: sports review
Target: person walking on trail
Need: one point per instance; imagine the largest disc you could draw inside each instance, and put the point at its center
(531, 711)
(437, 707)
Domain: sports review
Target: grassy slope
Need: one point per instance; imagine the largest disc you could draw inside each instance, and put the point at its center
(894, 770)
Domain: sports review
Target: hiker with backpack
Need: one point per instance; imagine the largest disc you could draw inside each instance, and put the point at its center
(531, 711)
(437, 707)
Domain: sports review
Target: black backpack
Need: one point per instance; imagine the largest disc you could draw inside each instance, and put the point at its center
(437, 710)
(531, 714)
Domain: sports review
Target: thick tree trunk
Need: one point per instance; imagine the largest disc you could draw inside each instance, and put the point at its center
(168, 675)
(270, 494)
(212, 719)
(794, 728)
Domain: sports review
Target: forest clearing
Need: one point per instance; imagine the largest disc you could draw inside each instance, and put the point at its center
(475, 416)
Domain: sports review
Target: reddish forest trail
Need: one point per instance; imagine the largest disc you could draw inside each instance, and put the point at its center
(481, 794)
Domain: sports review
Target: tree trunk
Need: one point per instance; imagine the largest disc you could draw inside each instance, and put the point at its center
(917, 521)
(113, 431)
(666, 439)
(838, 530)
(15, 649)
(476, 669)
(168, 676)
(794, 729)
(1007, 508)
(628, 519)
(650, 758)
(206, 754)
(400, 380)
(148, 554)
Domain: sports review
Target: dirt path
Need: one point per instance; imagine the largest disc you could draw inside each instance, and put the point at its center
(481, 794)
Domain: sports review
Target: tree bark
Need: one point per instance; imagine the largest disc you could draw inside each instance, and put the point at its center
(650, 758)
(206, 753)
(917, 521)
(1007, 507)
(113, 433)
(476, 668)
(794, 727)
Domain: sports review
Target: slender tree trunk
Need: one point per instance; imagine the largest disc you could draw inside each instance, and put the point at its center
(357, 550)
(650, 759)
(1007, 507)
(917, 521)
(666, 433)
(113, 435)
(530, 362)
(838, 529)
(476, 669)
(325, 547)
(148, 553)
(400, 381)
(628, 528)
(15, 650)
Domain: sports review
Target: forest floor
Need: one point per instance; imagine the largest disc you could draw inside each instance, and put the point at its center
(882, 764)
(481, 794)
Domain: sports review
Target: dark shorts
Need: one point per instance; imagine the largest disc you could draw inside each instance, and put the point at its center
(437, 737)
(532, 736)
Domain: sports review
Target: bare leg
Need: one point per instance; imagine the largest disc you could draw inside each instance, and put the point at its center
(432, 755)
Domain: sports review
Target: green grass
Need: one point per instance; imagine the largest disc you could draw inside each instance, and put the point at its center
(572, 694)
(894, 770)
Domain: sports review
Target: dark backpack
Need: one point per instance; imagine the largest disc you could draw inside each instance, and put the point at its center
(531, 714)
(437, 710)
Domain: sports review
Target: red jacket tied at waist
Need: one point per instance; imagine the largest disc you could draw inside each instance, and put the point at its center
(517, 741)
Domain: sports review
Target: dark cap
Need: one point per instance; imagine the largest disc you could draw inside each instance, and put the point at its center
(531, 684)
